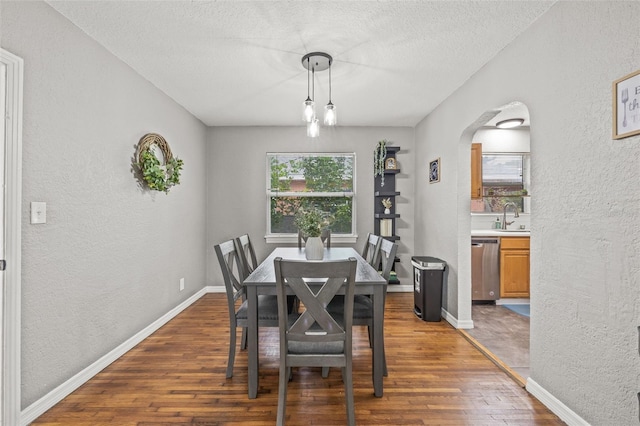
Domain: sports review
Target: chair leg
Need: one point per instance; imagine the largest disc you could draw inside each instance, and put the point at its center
(283, 381)
(347, 378)
(325, 372)
(232, 352)
(385, 373)
(243, 342)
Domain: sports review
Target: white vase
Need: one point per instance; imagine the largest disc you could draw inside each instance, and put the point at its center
(314, 249)
(387, 211)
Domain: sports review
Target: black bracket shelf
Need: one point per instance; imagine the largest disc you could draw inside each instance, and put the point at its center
(386, 193)
(387, 221)
(386, 216)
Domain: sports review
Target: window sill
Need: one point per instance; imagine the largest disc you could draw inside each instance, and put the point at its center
(293, 239)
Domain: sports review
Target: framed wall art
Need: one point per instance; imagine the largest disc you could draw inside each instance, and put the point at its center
(626, 106)
(434, 171)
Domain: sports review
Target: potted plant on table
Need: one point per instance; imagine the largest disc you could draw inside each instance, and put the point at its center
(311, 222)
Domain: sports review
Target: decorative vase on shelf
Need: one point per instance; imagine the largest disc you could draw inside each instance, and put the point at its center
(314, 249)
(387, 211)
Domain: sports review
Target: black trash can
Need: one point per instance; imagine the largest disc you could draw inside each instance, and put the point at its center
(428, 276)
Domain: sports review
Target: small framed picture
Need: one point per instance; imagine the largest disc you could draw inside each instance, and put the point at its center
(626, 106)
(390, 164)
(434, 171)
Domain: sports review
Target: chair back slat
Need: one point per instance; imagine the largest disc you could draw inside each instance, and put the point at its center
(388, 251)
(371, 251)
(246, 254)
(315, 320)
(231, 267)
(316, 284)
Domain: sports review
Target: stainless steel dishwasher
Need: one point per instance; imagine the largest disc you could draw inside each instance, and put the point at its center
(485, 268)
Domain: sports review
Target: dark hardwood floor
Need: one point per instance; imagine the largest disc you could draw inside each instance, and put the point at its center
(177, 377)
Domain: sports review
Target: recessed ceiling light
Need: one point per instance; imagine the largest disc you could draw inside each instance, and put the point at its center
(510, 123)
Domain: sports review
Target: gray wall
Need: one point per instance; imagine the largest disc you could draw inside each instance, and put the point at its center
(108, 261)
(585, 239)
(237, 188)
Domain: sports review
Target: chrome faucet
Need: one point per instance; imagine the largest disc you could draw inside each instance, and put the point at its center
(504, 214)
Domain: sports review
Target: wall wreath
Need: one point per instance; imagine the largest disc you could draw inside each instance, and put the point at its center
(158, 176)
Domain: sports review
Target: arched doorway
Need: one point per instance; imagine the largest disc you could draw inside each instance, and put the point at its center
(500, 283)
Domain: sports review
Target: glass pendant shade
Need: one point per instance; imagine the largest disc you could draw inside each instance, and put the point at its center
(330, 115)
(313, 128)
(308, 110)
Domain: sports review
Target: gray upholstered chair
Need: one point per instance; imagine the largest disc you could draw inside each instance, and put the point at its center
(233, 276)
(315, 337)
(247, 254)
(325, 237)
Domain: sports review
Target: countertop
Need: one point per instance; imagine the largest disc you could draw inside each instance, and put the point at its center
(500, 233)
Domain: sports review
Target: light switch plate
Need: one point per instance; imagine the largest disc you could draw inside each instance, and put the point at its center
(38, 212)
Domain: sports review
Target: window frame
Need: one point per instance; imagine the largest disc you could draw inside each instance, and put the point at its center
(523, 201)
(282, 238)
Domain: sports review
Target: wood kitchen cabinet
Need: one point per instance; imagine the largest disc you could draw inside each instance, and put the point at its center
(476, 171)
(514, 267)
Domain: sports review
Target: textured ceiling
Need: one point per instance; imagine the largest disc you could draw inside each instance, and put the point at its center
(239, 62)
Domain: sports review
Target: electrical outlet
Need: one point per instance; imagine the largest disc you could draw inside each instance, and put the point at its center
(181, 284)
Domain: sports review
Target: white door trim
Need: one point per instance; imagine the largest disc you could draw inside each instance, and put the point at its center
(10, 390)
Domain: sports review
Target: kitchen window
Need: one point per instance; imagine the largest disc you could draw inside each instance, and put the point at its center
(323, 180)
(505, 178)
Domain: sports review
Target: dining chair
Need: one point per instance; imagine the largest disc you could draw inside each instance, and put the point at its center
(231, 266)
(247, 254)
(371, 250)
(315, 337)
(325, 236)
(363, 305)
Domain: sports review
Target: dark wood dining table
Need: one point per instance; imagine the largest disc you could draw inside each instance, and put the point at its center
(368, 281)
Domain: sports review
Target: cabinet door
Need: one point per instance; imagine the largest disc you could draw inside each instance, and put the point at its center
(476, 171)
(514, 273)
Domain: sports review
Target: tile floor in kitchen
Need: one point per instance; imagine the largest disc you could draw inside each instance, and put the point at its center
(504, 333)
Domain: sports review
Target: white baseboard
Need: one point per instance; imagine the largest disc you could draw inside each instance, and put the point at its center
(39, 407)
(455, 322)
(514, 301)
(399, 288)
(554, 404)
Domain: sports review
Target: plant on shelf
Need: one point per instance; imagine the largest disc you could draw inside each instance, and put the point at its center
(379, 156)
(312, 221)
(386, 202)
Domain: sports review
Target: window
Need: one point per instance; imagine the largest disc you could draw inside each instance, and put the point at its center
(325, 181)
(505, 178)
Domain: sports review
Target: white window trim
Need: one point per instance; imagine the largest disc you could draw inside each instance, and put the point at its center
(293, 238)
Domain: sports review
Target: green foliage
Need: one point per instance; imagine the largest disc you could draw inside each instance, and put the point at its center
(158, 177)
(311, 221)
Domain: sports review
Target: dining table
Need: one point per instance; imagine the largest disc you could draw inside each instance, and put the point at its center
(262, 281)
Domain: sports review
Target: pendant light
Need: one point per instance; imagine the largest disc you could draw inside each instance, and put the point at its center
(330, 113)
(308, 107)
(317, 61)
(313, 127)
